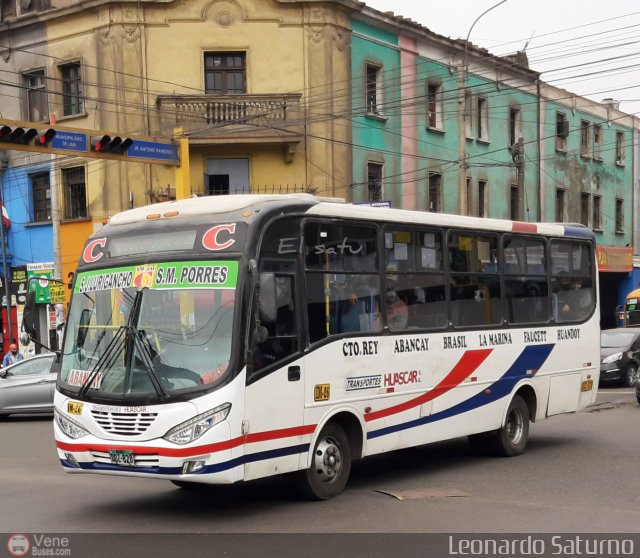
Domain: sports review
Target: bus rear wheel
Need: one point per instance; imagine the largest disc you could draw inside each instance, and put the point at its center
(511, 439)
(330, 465)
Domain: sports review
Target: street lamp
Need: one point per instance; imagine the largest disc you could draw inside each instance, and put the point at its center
(466, 42)
(464, 196)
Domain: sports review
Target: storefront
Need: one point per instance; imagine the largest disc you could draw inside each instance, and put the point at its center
(615, 266)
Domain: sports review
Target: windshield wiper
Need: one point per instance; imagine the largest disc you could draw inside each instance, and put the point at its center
(111, 353)
(113, 349)
(145, 357)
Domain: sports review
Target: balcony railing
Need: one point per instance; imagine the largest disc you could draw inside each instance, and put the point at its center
(210, 116)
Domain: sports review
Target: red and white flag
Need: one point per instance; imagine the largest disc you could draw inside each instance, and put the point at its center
(5, 217)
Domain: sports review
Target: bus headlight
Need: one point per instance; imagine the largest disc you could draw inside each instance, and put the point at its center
(192, 429)
(612, 358)
(70, 427)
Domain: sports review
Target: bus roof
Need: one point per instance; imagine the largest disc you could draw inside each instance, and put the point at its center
(208, 205)
(327, 207)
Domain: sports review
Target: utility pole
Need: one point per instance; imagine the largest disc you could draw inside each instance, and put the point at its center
(55, 218)
(464, 113)
(520, 175)
(517, 154)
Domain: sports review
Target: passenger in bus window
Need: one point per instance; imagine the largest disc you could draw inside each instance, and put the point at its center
(561, 299)
(573, 300)
(397, 311)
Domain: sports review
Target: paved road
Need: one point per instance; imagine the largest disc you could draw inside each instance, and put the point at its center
(579, 473)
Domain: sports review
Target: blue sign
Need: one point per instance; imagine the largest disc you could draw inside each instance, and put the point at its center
(69, 141)
(153, 150)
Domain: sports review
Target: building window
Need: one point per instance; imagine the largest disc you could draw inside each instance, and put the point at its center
(585, 138)
(71, 89)
(483, 119)
(434, 105)
(216, 185)
(468, 114)
(514, 202)
(619, 148)
(482, 198)
(584, 208)
(7, 9)
(75, 194)
(469, 195)
(560, 193)
(434, 203)
(41, 189)
(225, 73)
(374, 181)
(31, 6)
(515, 130)
(36, 93)
(619, 215)
(373, 101)
(597, 213)
(562, 131)
(597, 141)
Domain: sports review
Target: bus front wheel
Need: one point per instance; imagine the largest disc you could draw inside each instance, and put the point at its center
(330, 465)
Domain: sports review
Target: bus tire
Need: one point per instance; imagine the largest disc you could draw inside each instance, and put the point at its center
(330, 465)
(511, 439)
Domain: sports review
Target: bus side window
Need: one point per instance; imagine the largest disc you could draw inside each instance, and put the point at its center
(572, 286)
(278, 339)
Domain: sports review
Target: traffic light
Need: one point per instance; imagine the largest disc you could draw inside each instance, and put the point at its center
(108, 144)
(44, 137)
(16, 134)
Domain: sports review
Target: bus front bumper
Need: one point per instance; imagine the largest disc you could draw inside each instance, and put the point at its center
(211, 463)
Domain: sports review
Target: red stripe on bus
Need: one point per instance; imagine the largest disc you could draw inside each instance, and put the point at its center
(466, 366)
(197, 450)
(519, 226)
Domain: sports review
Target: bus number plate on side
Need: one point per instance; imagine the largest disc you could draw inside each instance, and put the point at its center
(123, 458)
(321, 392)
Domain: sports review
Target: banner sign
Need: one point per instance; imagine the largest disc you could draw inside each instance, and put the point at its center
(168, 275)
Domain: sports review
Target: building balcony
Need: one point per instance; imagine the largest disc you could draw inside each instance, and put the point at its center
(225, 119)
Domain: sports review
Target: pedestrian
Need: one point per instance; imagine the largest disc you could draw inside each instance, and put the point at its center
(12, 356)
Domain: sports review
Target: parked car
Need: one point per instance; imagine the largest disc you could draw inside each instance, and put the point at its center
(620, 355)
(27, 386)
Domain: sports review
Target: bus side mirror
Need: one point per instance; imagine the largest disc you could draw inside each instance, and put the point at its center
(267, 304)
(29, 316)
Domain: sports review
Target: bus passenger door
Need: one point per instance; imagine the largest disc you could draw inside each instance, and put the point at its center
(274, 400)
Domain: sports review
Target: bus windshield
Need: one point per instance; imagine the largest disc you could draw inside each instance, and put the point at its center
(151, 330)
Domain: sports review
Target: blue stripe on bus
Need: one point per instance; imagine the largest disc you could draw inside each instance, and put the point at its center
(214, 468)
(578, 232)
(531, 358)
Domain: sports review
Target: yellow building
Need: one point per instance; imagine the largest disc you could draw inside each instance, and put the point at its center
(257, 86)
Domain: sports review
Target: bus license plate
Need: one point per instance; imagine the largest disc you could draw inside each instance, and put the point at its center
(122, 457)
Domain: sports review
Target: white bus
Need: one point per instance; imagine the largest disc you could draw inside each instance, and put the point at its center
(223, 339)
